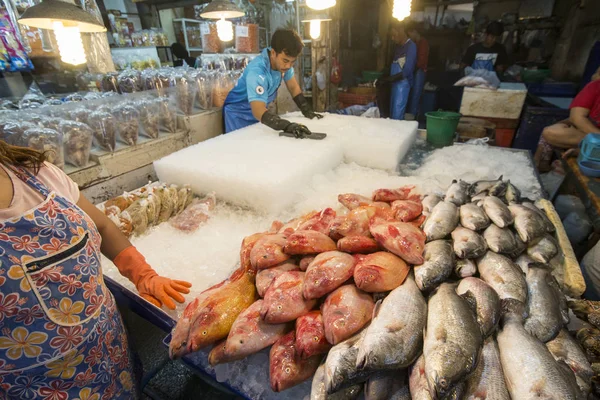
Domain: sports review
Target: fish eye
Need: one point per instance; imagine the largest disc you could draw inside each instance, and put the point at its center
(444, 383)
(279, 307)
(316, 338)
(205, 333)
(316, 281)
(288, 370)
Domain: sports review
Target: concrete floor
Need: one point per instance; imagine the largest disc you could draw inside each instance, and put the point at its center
(173, 380)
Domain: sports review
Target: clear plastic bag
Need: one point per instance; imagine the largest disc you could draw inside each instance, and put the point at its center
(168, 114)
(51, 123)
(73, 98)
(12, 131)
(149, 118)
(163, 81)
(104, 129)
(130, 81)
(128, 121)
(221, 88)
(204, 84)
(47, 141)
(79, 114)
(109, 82)
(77, 139)
(210, 38)
(34, 98)
(246, 38)
(185, 92)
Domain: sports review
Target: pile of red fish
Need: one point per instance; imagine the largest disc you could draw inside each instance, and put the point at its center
(307, 285)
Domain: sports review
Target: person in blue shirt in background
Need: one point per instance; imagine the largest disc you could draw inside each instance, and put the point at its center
(402, 70)
(247, 103)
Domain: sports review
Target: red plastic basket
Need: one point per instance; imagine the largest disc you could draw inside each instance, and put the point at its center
(350, 99)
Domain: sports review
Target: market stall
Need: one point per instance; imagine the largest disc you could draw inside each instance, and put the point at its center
(259, 178)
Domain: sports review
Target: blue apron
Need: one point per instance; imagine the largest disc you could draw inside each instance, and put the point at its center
(400, 94)
(61, 335)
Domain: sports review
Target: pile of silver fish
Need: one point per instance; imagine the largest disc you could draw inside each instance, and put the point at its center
(443, 297)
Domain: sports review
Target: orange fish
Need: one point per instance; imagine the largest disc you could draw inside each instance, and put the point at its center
(402, 239)
(308, 242)
(286, 368)
(380, 272)
(319, 222)
(358, 244)
(268, 251)
(407, 210)
(390, 195)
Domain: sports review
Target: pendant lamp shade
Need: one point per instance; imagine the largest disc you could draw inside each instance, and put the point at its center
(46, 13)
(219, 9)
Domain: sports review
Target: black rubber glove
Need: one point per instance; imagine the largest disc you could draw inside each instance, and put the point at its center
(274, 122)
(306, 109)
(389, 79)
(300, 131)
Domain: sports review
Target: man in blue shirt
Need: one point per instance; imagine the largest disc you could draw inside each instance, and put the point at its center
(402, 70)
(247, 103)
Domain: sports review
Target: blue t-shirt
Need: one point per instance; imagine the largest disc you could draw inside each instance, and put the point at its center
(259, 82)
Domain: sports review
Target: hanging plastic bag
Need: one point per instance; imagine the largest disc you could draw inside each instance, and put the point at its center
(336, 72)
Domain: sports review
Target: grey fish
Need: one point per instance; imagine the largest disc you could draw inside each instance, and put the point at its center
(429, 202)
(484, 300)
(528, 223)
(419, 388)
(467, 243)
(457, 193)
(482, 186)
(497, 211)
(549, 225)
(394, 339)
(505, 278)
(442, 221)
(318, 391)
(388, 385)
(340, 365)
(438, 265)
(520, 247)
(499, 240)
(487, 381)
(564, 347)
(530, 370)
(499, 189)
(452, 340)
(525, 262)
(545, 319)
(478, 198)
(543, 250)
(563, 306)
(465, 268)
(513, 195)
(473, 217)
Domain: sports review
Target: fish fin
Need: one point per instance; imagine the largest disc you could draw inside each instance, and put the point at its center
(513, 309)
(377, 308)
(470, 298)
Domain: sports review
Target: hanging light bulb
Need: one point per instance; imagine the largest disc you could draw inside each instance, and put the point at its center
(401, 9)
(69, 41)
(320, 4)
(225, 30)
(315, 29)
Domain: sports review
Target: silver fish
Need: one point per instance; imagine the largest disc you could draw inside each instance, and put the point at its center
(549, 225)
(388, 385)
(318, 391)
(528, 223)
(457, 193)
(525, 262)
(452, 340)
(479, 198)
(545, 319)
(499, 240)
(442, 221)
(505, 278)
(465, 268)
(499, 189)
(438, 265)
(564, 347)
(530, 370)
(484, 300)
(497, 211)
(487, 381)
(395, 337)
(473, 217)
(562, 300)
(543, 250)
(483, 186)
(419, 388)
(520, 247)
(340, 365)
(467, 243)
(429, 202)
(513, 195)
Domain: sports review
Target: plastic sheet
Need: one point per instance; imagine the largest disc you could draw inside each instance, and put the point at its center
(77, 139)
(104, 129)
(47, 141)
(479, 78)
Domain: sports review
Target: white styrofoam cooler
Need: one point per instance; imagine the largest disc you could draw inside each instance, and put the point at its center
(506, 102)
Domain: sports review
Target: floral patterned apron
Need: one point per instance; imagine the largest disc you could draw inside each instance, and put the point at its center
(61, 335)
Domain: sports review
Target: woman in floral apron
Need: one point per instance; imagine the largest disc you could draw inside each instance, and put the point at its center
(61, 335)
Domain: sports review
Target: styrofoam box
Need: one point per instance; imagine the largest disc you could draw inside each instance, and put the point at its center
(256, 168)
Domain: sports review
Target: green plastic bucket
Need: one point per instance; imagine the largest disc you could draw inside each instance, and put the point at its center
(441, 127)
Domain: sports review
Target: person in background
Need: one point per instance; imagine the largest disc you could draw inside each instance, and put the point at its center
(182, 54)
(62, 335)
(401, 74)
(488, 54)
(247, 103)
(414, 32)
(584, 118)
